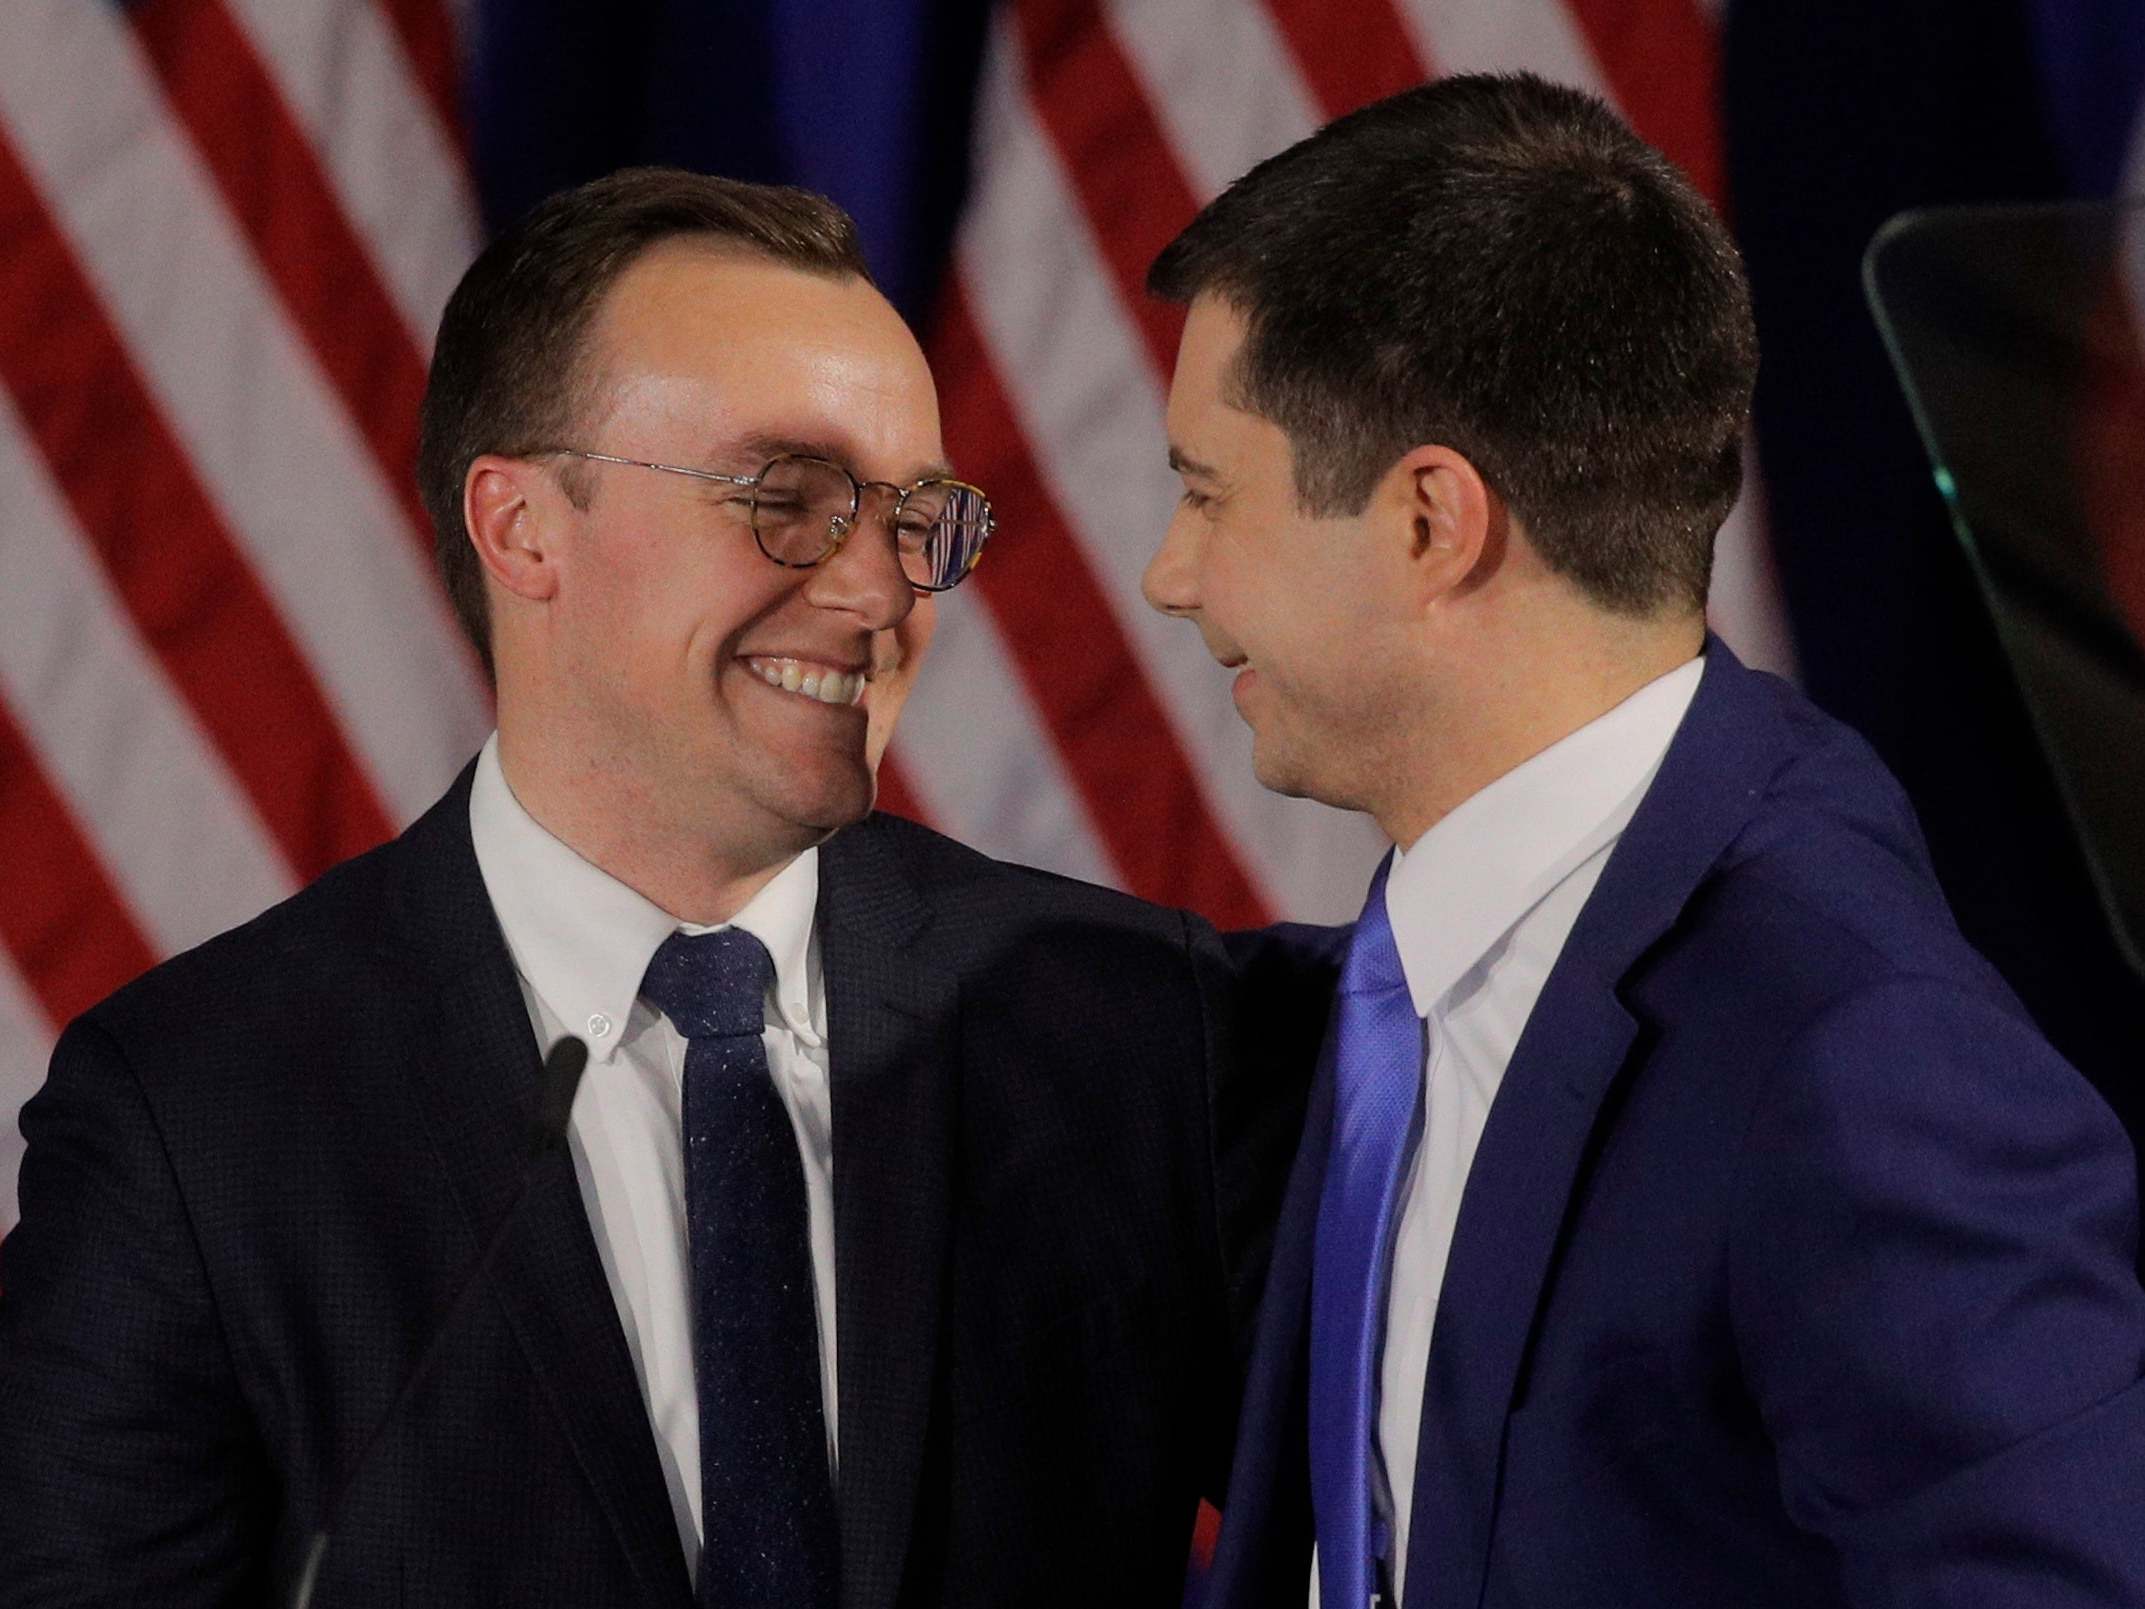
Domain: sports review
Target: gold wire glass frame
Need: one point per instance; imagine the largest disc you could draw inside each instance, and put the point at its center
(803, 508)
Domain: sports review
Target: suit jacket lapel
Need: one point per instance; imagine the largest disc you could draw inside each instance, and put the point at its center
(892, 1043)
(473, 1085)
(1576, 1040)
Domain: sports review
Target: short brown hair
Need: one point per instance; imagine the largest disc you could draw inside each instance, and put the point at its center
(506, 373)
(1497, 264)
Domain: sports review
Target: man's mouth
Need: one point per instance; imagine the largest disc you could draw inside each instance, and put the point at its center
(827, 684)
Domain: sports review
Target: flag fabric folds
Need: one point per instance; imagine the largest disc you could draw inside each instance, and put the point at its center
(227, 228)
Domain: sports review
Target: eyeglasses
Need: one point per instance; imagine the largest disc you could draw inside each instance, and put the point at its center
(804, 508)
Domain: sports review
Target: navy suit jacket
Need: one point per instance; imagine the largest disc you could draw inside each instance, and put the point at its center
(1793, 1269)
(256, 1174)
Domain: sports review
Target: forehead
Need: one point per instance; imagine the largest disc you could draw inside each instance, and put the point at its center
(1206, 427)
(1213, 332)
(723, 344)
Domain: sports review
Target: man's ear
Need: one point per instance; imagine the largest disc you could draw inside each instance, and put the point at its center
(510, 508)
(1452, 527)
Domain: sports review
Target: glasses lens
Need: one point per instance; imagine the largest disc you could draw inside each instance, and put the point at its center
(941, 531)
(801, 508)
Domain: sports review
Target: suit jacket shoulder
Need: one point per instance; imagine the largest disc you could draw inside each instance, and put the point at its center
(980, 898)
(1832, 847)
(253, 1182)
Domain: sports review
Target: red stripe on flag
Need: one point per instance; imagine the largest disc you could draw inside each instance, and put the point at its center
(427, 35)
(1353, 61)
(1139, 790)
(895, 796)
(1662, 61)
(283, 201)
(1206, 1531)
(67, 928)
(162, 542)
(1117, 159)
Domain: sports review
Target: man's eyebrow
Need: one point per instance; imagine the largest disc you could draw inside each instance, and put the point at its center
(756, 450)
(1185, 464)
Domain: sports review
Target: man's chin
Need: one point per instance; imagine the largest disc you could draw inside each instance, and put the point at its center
(827, 804)
(1277, 772)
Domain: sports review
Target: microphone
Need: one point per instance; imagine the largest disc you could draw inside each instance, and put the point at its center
(556, 1086)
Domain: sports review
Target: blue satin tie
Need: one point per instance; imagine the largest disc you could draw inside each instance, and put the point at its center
(1378, 1072)
(768, 1534)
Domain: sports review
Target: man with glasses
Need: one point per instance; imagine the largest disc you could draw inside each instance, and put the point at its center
(1686, 1216)
(912, 1207)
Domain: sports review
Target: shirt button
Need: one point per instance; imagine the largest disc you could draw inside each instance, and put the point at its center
(599, 1026)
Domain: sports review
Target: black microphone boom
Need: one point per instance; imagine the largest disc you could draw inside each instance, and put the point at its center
(561, 1078)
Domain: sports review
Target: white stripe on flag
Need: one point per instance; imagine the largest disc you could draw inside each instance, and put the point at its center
(184, 846)
(1744, 605)
(267, 437)
(402, 183)
(979, 759)
(1089, 405)
(25, 1050)
(1220, 79)
(1478, 36)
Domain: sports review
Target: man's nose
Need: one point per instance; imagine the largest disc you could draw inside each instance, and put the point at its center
(863, 576)
(1168, 582)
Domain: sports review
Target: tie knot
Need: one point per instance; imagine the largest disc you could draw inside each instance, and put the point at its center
(710, 983)
(1373, 959)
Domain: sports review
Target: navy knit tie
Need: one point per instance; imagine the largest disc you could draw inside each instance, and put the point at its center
(768, 1534)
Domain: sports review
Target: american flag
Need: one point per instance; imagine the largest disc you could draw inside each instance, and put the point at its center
(227, 228)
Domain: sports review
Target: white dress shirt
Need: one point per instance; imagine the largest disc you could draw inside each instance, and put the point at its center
(1481, 905)
(581, 942)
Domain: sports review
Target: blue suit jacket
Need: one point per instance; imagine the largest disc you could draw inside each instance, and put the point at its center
(1794, 1267)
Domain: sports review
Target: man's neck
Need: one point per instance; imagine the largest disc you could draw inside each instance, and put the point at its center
(1520, 705)
(699, 874)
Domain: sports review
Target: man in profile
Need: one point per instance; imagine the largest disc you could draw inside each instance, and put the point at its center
(1686, 1215)
(908, 1227)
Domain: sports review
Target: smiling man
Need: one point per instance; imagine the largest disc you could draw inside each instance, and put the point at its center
(913, 1205)
(1685, 1215)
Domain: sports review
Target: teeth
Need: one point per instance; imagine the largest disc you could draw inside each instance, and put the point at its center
(813, 681)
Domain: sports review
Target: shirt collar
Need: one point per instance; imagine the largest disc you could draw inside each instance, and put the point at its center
(1466, 882)
(582, 940)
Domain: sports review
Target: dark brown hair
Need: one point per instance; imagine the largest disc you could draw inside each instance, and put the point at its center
(507, 370)
(1496, 264)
